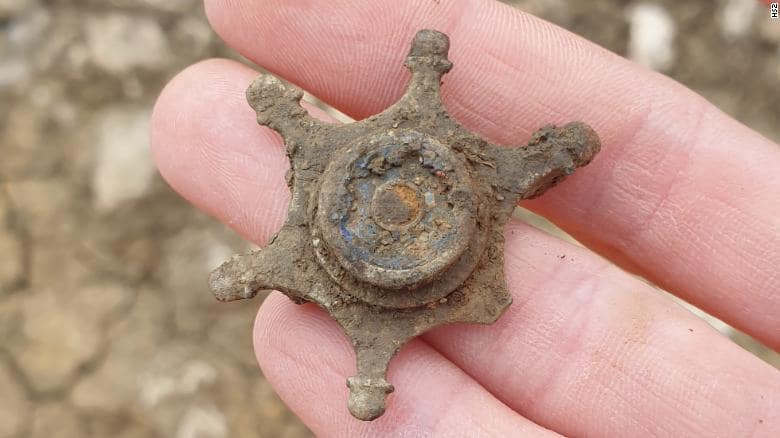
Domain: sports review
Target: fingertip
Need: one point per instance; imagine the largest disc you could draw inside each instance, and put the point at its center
(273, 318)
(208, 147)
(224, 17)
(270, 320)
(204, 80)
(283, 328)
(306, 358)
(188, 103)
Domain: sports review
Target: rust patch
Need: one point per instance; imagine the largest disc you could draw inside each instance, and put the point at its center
(396, 206)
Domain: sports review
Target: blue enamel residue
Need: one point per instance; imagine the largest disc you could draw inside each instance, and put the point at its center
(365, 189)
(345, 233)
(393, 174)
(391, 263)
(361, 166)
(365, 230)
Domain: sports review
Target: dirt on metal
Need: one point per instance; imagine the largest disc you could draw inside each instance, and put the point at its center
(396, 222)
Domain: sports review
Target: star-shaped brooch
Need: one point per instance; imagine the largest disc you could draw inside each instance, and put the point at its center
(396, 222)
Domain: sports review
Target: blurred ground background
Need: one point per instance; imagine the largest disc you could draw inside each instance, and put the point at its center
(106, 325)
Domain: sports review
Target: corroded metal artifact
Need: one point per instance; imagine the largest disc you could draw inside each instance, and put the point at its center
(395, 222)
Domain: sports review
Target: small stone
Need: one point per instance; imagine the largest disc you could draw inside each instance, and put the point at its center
(9, 8)
(56, 419)
(193, 35)
(652, 36)
(123, 164)
(14, 406)
(14, 72)
(54, 267)
(77, 56)
(123, 424)
(27, 30)
(202, 422)
(27, 152)
(55, 340)
(189, 256)
(114, 384)
(121, 43)
(102, 300)
(12, 267)
(171, 375)
(186, 378)
(11, 317)
(737, 16)
(45, 207)
(132, 87)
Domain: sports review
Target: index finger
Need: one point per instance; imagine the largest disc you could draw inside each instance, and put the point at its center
(680, 193)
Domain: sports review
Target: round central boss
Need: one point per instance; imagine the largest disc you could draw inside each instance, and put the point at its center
(395, 210)
(397, 205)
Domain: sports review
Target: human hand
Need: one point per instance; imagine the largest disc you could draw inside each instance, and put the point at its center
(680, 193)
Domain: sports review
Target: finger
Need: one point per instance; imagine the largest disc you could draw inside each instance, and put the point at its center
(208, 147)
(588, 350)
(305, 356)
(680, 192)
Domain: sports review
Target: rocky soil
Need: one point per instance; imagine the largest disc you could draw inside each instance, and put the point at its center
(106, 325)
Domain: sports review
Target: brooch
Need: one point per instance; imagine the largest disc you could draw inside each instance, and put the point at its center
(395, 224)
